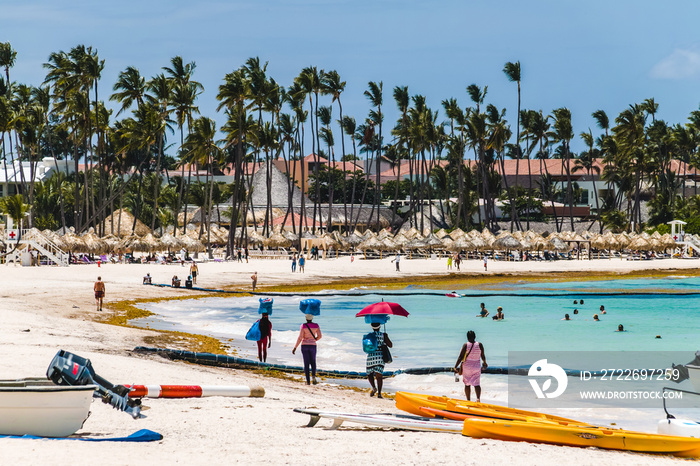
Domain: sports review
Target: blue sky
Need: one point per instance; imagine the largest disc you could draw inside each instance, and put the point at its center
(581, 55)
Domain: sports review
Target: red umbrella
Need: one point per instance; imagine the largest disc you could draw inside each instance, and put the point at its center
(383, 308)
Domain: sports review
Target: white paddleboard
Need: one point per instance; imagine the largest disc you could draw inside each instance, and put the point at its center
(395, 421)
(679, 427)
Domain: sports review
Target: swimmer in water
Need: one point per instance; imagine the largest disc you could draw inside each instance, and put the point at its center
(483, 312)
(499, 314)
(602, 310)
(581, 302)
(575, 301)
(575, 311)
(620, 328)
(658, 336)
(595, 317)
(566, 317)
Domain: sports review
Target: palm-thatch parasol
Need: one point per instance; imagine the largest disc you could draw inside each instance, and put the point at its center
(277, 240)
(191, 243)
(352, 240)
(506, 242)
(122, 222)
(169, 241)
(457, 233)
(559, 245)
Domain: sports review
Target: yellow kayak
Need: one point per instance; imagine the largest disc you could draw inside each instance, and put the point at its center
(581, 436)
(415, 403)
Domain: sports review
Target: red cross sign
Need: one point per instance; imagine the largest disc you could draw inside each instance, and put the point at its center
(12, 234)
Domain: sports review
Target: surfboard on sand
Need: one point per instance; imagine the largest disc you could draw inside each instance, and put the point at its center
(395, 421)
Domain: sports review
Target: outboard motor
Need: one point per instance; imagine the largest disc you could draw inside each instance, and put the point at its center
(70, 369)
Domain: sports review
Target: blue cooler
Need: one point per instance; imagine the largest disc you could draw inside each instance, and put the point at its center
(376, 318)
(310, 306)
(265, 306)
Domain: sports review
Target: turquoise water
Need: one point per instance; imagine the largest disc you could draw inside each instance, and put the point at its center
(436, 328)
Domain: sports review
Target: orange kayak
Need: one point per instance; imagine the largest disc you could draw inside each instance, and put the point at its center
(581, 436)
(451, 408)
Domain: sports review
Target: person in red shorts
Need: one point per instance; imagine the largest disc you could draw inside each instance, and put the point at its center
(265, 337)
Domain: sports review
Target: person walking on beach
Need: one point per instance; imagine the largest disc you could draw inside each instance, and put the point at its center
(183, 256)
(99, 290)
(302, 262)
(469, 366)
(246, 254)
(309, 334)
(254, 278)
(449, 262)
(397, 259)
(375, 361)
(486, 262)
(294, 262)
(457, 260)
(265, 341)
(194, 271)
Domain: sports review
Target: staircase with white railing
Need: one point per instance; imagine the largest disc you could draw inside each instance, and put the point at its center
(690, 241)
(36, 240)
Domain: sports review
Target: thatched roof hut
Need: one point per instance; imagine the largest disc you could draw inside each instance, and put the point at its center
(121, 222)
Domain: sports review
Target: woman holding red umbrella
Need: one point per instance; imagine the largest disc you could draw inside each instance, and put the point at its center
(375, 360)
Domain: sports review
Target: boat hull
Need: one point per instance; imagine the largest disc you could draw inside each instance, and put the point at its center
(40, 408)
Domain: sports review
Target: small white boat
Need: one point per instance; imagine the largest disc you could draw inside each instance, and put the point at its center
(679, 427)
(694, 375)
(38, 407)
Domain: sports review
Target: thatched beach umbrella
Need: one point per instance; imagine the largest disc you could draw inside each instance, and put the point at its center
(169, 241)
(277, 240)
(192, 244)
(559, 245)
(353, 240)
(457, 233)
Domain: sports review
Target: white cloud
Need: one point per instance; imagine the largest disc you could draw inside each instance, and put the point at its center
(681, 64)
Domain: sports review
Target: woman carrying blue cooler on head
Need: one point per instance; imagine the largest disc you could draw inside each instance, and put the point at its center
(309, 334)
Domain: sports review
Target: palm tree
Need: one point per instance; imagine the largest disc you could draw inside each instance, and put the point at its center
(232, 95)
(333, 86)
(15, 207)
(202, 148)
(402, 100)
(512, 72)
(129, 88)
(564, 133)
(309, 81)
(160, 88)
(8, 57)
(185, 92)
(586, 161)
(375, 95)
(630, 133)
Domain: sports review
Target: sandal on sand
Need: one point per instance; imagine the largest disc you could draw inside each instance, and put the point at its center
(372, 392)
(315, 382)
(380, 396)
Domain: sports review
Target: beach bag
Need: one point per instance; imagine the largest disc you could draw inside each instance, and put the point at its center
(369, 343)
(254, 332)
(386, 355)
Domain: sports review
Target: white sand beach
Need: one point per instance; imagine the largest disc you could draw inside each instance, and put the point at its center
(50, 308)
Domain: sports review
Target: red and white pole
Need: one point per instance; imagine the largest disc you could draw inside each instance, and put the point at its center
(193, 391)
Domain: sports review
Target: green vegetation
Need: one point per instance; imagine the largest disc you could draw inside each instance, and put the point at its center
(118, 158)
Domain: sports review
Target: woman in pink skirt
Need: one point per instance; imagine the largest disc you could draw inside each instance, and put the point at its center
(470, 365)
